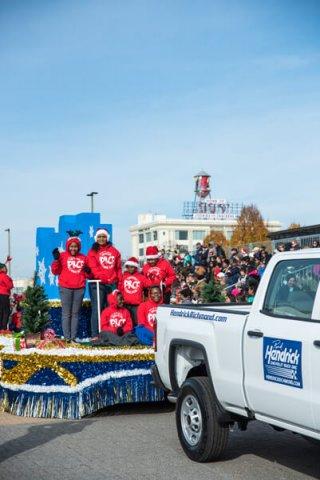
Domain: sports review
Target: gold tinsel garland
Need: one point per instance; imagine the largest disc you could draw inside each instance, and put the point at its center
(28, 365)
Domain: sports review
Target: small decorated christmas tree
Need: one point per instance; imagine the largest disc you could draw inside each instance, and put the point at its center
(35, 317)
(212, 292)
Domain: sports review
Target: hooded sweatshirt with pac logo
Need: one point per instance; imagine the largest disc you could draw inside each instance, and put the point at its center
(114, 317)
(105, 264)
(6, 284)
(161, 272)
(69, 267)
(147, 313)
(132, 286)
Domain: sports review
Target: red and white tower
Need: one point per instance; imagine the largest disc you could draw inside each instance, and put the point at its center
(202, 186)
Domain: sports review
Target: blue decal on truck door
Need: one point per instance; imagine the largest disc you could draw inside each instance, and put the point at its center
(282, 361)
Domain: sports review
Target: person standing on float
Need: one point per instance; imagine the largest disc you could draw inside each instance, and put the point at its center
(159, 271)
(6, 285)
(104, 261)
(72, 270)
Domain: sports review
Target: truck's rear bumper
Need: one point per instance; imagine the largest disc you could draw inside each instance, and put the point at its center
(156, 378)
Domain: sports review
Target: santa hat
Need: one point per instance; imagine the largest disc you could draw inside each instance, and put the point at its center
(102, 231)
(132, 262)
(152, 253)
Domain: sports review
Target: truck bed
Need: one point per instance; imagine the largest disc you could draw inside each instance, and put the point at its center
(217, 329)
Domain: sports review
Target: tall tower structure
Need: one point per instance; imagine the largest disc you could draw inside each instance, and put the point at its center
(202, 186)
(204, 206)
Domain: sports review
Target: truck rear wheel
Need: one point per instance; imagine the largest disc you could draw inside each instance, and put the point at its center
(200, 434)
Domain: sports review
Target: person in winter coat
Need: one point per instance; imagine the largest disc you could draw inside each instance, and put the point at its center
(158, 271)
(201, 255)
(188, 260)
(132, 285)
(104, 261)
(220, 251)
(72, 269)
(6, 285)
(147, 316)
(231, 271)
(115, 318)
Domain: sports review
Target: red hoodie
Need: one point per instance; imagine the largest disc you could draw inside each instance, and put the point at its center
(69, 267)
(162, 272)
(105, 264)
(131, 286)
(6, 284)
(147, 314)
(114, 317)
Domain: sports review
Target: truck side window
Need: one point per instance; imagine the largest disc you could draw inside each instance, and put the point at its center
(292, 288)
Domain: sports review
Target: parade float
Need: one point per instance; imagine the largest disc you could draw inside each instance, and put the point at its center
(41, 375)
(54, 380)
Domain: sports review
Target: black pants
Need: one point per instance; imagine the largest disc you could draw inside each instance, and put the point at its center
(4, 311)
(104, 292)
(166, 298)
(133, 312)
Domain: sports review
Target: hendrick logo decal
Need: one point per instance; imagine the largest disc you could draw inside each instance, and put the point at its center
(282, 361)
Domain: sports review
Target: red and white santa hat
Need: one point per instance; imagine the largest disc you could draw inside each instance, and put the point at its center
(102, 231)
(132, 262)
(152, 253)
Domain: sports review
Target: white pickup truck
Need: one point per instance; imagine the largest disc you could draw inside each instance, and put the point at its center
(227, 364)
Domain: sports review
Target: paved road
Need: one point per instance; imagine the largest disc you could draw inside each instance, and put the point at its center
(137, 443)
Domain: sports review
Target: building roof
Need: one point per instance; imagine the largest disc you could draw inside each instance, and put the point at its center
(295, 232)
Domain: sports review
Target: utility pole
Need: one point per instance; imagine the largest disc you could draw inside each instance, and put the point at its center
(9, 249)
(92, 195)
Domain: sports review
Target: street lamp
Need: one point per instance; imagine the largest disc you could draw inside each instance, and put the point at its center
(9, 249)
(92, 195)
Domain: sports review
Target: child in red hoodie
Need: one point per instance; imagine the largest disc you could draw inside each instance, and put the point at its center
(159, 271)
(71, 266)
(131, 286)
(115, 318)
(147, 316)
(6, 286)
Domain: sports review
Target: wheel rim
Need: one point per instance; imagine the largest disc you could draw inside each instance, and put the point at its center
(191, 420)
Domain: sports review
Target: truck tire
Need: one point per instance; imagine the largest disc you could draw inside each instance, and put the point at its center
(201, 436)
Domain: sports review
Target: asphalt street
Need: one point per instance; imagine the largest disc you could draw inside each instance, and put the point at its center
(140, 442)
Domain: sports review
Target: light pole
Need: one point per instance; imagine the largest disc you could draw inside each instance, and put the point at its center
(9, 249)
(92, 195)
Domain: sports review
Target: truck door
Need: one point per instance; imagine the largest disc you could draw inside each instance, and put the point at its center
(315, 361)
(278, 343)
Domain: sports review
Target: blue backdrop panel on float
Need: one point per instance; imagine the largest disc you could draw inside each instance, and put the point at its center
(47, 239)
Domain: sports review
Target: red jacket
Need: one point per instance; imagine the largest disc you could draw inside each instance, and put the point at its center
(114, 317)
(131, 286)
(162, 272)
(69, 267)
(105, 264)
(6, 284)
(147, 314)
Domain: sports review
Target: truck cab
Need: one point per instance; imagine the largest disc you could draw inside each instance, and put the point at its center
(237, 363)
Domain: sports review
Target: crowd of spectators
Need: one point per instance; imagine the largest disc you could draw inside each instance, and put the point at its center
(236, 274)
(129, 296)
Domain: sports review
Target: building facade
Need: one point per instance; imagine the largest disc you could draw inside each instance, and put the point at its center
(170, 233)
(305, 236)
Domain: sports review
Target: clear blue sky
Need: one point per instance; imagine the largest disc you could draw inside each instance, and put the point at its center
(132, 98)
